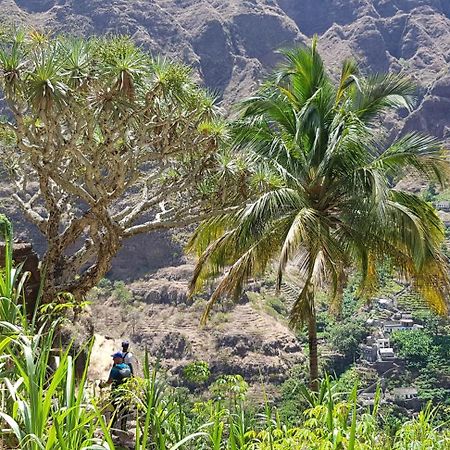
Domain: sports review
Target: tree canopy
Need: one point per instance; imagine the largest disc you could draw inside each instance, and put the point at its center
(104, 142)
(335, 207)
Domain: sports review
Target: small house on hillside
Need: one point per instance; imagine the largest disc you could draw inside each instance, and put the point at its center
(407, 323)
(391, 326)
(383, 343)
(402, 394)
(369, 353)
(386, 354)
(442, 205)
(406, 397)
(385, 303)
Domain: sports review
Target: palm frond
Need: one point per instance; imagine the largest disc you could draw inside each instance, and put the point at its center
(209, 231)
(415, 151)
(377, 93)
(304, 228)
(349, 76)
(212, 261)
(303, 307)
(252, 263)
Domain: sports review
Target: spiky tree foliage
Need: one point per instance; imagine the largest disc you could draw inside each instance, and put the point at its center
(103, 143)
(335, 207)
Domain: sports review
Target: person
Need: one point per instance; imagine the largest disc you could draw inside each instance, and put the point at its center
(127, 356)
(119, 373)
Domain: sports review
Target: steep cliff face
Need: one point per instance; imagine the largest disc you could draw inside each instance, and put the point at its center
(231, 43)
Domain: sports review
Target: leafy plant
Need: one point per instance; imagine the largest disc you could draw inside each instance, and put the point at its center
(231, 387)
(333, 209)
(415, 346)
(197, 372)
(12, 281)
(121, 293)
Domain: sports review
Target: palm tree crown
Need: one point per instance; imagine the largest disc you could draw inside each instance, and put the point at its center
(332, 205)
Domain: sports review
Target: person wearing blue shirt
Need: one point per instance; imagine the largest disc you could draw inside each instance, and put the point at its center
(119, 373)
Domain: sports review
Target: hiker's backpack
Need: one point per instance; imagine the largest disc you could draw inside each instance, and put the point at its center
(124, 373)
(124, 356)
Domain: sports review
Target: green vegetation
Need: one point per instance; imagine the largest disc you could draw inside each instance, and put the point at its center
(330, 207)
(103, 142)
(346, 336)
(11, 281)
(415, 346)
(107, 143)
(427, 358)
(121, 292)
(197, 372)
(45, 406)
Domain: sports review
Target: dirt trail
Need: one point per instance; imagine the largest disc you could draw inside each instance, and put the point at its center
(101, 360)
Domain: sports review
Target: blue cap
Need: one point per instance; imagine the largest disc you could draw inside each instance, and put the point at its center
(117, 355)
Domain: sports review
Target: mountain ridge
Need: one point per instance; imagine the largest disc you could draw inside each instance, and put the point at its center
(232, 44)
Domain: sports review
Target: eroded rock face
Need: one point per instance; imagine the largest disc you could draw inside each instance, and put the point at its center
(23, 253)
(172, 346)
(243, 339)
(36, 6)
(231, 43)
(433, 113)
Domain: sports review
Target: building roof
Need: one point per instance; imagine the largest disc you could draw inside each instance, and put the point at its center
(386, 351)
(368, 395)
(405, 391)
(392, 323)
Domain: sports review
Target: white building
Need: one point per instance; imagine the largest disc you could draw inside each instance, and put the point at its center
(402, 394)
(386, 354)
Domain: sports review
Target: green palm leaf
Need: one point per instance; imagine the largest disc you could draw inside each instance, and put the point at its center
(335, 210)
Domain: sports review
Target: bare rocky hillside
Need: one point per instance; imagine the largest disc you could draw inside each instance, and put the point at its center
(155, 313)
(231, 43)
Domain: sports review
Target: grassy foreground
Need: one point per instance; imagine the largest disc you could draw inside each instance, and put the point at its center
(43, 406)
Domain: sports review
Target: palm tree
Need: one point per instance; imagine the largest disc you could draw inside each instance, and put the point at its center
(329, 203)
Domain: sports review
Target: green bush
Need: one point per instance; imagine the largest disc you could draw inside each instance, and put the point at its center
(346, 336)
(414, 346)
(197, 372)
(275, 304)
(121, 292)
(231, 387)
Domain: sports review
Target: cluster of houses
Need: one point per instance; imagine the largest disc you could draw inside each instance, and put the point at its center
(377, 348)
(379, 354)
(443, 208)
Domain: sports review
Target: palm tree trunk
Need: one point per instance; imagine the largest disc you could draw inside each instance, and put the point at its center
(313, 358)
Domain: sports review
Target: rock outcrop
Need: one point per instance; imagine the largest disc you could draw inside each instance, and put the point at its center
(232, 43)
(24, 255)
(242, 339)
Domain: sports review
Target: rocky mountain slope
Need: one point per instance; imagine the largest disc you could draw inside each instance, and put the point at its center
(231, 43)
(156, 314)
